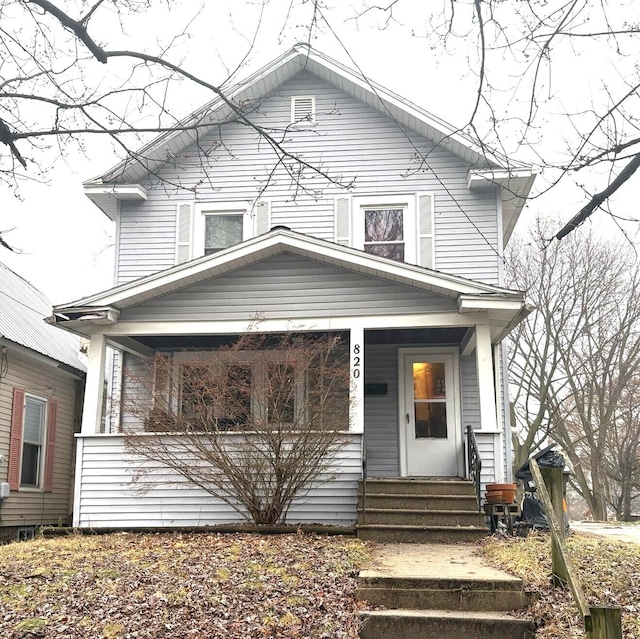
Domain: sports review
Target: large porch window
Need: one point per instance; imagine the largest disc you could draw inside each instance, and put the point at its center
(233, 391)
(286, 382)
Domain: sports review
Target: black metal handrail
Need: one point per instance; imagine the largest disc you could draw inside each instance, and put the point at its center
(474, 463)
(364, 478)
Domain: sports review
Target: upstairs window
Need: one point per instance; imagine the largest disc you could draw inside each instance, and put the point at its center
(303, 110)
(384, 232)
(219, 225)
(397, 227)
(222, 230)
(209, 227)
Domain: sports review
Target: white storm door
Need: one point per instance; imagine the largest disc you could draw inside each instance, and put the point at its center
(429, 414)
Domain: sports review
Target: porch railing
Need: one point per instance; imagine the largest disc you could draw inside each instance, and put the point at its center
(599, 622)
(364, 478)
(474, 463)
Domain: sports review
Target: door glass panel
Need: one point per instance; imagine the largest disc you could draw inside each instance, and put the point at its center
(429, 399)
(429, 380)
(430, 419)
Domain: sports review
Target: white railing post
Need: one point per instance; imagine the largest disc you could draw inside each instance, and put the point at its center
(94, 389)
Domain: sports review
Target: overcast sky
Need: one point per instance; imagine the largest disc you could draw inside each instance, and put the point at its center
(65, 241)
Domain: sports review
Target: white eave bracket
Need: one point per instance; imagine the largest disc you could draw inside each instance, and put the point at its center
(104, 316)
(490, 178)
(118, 191)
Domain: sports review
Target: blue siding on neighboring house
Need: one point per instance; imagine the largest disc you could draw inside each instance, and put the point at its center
(353, 142)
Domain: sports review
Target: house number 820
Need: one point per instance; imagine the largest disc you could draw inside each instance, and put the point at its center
(357, 361)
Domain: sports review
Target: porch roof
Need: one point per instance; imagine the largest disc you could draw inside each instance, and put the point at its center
(105, 307)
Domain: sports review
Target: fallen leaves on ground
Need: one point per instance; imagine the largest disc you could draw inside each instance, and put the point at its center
(192, 586)
(609, 571)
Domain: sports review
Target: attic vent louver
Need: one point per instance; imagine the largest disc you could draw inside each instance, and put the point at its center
(303, 110)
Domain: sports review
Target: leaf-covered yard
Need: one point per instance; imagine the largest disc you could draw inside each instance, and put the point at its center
(609, 572)
(127, 585)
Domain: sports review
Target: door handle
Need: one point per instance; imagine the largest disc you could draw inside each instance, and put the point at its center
(408, 418)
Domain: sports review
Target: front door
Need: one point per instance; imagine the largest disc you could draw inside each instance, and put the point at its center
(431, 442)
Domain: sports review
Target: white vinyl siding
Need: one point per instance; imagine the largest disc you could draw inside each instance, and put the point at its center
(108, 496)
(364, 150)
(287, 286)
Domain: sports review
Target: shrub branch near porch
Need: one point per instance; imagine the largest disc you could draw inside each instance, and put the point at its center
(255, 423)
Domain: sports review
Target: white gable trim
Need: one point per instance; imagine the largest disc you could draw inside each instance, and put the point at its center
(265, 80)
(278, 241)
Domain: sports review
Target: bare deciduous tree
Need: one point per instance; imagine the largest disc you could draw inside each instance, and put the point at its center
(256, 423)
(575, 358)
(558, 80)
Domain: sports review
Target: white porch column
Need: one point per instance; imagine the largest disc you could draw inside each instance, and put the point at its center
(94, 388)
(356, 390)
(486, 379)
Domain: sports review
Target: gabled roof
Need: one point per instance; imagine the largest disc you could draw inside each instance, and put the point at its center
(23, 309)
(104, 308)
(105, 189)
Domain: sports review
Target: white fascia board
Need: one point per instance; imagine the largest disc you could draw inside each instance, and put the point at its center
(271, 244)
(477, 304)
(284, 325)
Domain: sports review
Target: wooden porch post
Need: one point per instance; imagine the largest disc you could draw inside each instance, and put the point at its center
(94, 390)
(356, 391)
(486, 379)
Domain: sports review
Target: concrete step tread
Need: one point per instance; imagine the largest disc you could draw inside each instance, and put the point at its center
(410, 527)
(420, 496)
(373, 579)
(430, 511)
(446, 614)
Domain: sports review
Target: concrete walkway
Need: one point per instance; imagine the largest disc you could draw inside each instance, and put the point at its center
(612, 530)
(433, 561)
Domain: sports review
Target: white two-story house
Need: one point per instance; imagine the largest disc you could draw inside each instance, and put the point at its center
(359, 214)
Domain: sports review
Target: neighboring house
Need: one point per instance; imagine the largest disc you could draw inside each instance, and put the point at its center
(41, 383)
(403, 256)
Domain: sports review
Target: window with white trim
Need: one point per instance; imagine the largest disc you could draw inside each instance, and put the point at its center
(33, 441)
(220, 225)
(397, 227)
(384, 226)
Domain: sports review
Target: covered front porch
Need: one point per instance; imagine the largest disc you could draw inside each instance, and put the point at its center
(424, 360)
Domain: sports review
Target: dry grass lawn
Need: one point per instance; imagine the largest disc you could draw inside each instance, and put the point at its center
(609, 571)
(142, 586)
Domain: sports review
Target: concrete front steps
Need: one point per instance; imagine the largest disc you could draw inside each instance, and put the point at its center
(442, 624)
(439, 592)
(419, 511)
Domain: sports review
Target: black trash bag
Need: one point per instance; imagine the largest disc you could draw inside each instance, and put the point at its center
(532, 509)
(546, 458)
(533, 512)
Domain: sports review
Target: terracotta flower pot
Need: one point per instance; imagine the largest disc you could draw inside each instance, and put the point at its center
(493, 496)
(508, 491)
